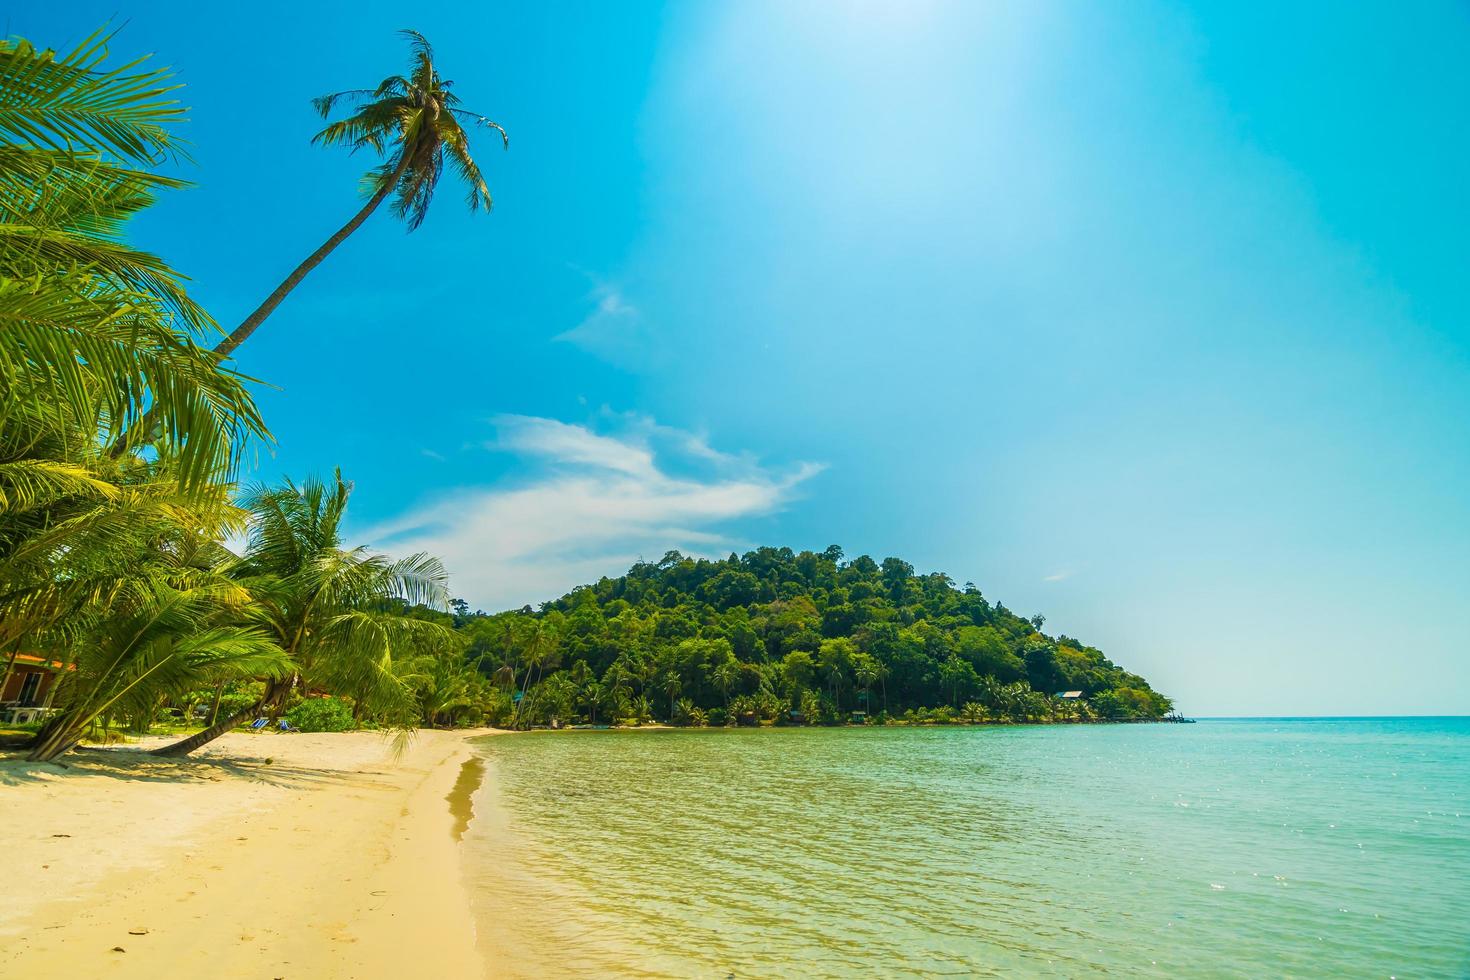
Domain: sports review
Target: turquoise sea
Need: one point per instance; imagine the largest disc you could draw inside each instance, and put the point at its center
(1320, 847)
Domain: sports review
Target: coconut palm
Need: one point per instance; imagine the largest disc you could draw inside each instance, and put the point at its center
(538, 650)
(865, 670)
(95, 333)
(70, 103)
(92, 333)
(415, 122)
(334, 611)
(437, 673)
(159, 636)
(672, 684)
(726, 676)
(149, 611)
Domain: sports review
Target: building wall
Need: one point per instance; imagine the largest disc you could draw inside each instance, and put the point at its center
(17, 681)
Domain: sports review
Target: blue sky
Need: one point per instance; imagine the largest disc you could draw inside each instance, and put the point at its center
(1148, 317)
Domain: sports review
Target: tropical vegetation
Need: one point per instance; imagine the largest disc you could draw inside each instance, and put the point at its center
(775, 636)
(122, 433)
(124, 430)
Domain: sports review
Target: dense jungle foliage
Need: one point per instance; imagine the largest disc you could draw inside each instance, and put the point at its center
(776, 635)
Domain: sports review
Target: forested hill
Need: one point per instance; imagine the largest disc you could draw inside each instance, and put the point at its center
(775, 631)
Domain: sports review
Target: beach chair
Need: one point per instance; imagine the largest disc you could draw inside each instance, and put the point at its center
(259, 723)
(286, 726)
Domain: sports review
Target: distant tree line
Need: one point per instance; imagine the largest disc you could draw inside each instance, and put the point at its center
(779, 636)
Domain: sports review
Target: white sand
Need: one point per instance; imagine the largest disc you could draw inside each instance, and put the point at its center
(333, 859)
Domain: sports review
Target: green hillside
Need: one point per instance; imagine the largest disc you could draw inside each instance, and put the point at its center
(761, 635)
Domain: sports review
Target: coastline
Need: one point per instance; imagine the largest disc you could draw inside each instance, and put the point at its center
(307, 855)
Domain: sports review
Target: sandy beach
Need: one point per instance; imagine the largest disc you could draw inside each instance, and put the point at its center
(267, 855)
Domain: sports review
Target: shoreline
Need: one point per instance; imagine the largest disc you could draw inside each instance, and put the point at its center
(287, 856)
(272, 855)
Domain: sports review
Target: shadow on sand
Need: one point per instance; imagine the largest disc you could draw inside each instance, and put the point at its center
(137, 765)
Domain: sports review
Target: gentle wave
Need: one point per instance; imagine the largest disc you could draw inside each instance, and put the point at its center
(1239, 848)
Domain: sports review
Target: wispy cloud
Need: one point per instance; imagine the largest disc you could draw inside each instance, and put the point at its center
(588, 504)
(1060, 576)
(615, 330)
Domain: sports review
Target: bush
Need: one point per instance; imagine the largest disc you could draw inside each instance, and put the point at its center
(321, 715)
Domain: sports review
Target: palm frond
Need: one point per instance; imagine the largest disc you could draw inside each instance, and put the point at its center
(480, 120)
(71, 104)
(108, 356)
(456, 147)
(27, 484)
(414, 121)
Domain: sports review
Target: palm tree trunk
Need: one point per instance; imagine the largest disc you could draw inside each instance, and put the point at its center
(47, 729)
(187, 745)
(227, 346)
(275, 691)
(147, 424)
(9, 667)
(58, 741)
(219, 690)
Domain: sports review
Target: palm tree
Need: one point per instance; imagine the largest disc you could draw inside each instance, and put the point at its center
(95, 333)
(160, 636)
(1012, 699)
(334, 611)
(146, 609)
(672, 685)
(989, 691)
(882, 672)
(416, 123)
(441, 680)
(727, 675)
(537, 651)
(865, 672)
(593, 695)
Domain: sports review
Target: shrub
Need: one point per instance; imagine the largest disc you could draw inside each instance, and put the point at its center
(321, 715)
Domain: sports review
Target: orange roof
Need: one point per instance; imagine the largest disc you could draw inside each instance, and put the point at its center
(31, 658)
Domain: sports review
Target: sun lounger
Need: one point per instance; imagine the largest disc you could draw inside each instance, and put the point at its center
(259, 723)
(286, 726)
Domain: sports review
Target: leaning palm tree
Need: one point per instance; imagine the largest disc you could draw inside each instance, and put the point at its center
(160, 637)
(416, 123)
(335, 611)
(133, 593)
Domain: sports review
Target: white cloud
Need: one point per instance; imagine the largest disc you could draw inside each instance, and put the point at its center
(1061, 576)
(571, 444)
(615, 330)
(592, 505)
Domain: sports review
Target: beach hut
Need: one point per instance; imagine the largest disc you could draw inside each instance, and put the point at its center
(1070, 695)
(28, 685)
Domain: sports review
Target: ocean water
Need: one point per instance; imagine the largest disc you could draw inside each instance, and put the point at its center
(1225, 848)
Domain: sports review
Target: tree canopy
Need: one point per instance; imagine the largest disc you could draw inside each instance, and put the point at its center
(781, 634)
